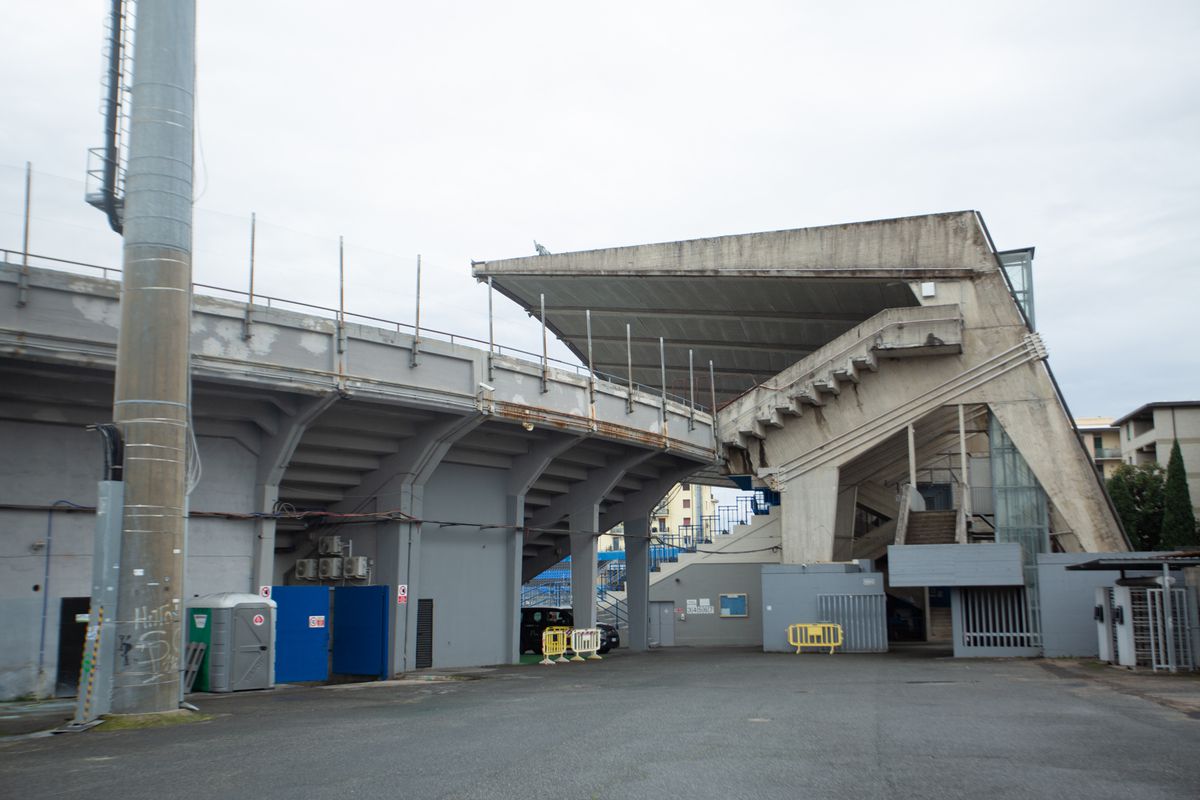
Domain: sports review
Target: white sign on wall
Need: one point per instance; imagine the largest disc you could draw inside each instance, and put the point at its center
(702, 606)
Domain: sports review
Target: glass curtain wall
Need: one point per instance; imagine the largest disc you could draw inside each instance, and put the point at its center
(1022, 513)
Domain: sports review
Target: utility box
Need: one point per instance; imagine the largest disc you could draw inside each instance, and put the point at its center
(239, 630)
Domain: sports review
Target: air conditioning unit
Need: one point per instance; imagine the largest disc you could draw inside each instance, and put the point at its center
(331, 568)
(354, 567)
(330, 545)
(306, 569)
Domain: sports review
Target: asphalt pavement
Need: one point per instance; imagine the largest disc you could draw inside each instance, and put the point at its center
(672, 723)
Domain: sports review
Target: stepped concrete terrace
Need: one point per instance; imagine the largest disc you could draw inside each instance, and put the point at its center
(510, 466)
(844, 359)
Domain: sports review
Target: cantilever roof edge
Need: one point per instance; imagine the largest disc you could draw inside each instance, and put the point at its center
(946, 244)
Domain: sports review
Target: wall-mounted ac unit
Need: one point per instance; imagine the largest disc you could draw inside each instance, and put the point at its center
(306, 569)
(354, 567)
(330, 545)
(331, 568)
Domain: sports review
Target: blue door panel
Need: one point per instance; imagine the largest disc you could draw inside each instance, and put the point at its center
(360, 634)
(301, 633)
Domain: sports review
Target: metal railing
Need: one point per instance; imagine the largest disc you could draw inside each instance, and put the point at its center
(336, 314)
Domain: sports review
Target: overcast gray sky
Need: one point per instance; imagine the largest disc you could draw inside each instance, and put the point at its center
(466, 130)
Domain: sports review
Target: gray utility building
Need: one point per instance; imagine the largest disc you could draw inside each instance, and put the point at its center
(452, 472)
(883, 380)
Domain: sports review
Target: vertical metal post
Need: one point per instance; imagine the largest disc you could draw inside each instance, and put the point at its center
(250, 301)
(591, 366)
(23, 281)
(629, 364)
(416, 345)
(712, 389)
(1169, 617)
(912, 459)
(341, 320)
(662, 365)
(545, 355)
(965, 465)
(151, 404)
(691, 393)
(491, 366)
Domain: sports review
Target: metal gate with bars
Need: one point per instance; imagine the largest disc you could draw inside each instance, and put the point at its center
(863, 618)
(1149, 628)
(994, 622)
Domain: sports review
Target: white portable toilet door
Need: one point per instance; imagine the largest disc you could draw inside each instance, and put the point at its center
(250, 665)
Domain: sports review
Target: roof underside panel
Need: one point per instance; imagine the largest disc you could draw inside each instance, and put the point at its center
(750, 328)
(753, 304)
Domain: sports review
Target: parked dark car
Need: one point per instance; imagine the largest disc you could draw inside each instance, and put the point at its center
(535, 620)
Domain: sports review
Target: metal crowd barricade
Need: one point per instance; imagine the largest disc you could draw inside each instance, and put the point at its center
(585, 640)
(815, 634)
(555, 641)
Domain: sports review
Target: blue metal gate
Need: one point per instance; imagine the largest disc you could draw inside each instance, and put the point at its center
(360, 633)
(301, 633)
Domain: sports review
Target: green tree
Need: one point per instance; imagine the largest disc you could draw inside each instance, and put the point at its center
(1179, 520)
(1137, 493)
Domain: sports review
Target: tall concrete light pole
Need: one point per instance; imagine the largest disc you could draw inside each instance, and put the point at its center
(151, 403)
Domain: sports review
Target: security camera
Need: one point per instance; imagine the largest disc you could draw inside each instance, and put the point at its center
(486, 388)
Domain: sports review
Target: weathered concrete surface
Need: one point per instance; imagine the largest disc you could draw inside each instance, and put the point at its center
(724, 724)
(945, 243)
(998, 366)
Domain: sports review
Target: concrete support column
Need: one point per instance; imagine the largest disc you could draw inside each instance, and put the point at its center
(847, 500)
(809, 516)
(516, 551)
(265, 497)
(637, 581)
(583, 524)
(273, 460)
(398, 563)
(399, 485)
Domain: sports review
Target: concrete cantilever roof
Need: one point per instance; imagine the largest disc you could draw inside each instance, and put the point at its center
(753, 304)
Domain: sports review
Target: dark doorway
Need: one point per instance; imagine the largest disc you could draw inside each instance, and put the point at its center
(72, 633)
(937, 496)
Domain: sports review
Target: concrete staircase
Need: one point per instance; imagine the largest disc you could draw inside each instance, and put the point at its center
(930, 527)
(744, 544)
(818, 379)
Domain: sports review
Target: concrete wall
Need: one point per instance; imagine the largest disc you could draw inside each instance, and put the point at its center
(955, 565)
(1068, 598)
(708, 582)
(466, 571)
(41, 464)
(790, 595)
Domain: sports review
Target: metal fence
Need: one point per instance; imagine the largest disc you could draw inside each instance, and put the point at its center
(863, 618)
(997, 618)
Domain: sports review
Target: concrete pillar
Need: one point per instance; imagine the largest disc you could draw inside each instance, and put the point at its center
(637, 581)
(265, 497)
(809, 516)
(273, 460)
(584, 522)
(398, 563)
(516, 559)
(399, 485)
(847, 500)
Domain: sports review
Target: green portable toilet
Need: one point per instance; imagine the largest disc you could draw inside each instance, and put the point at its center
(239, 630)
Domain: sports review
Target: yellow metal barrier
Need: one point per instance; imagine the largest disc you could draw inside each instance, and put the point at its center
(554, 643)
(815, 634)
(585, 640)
